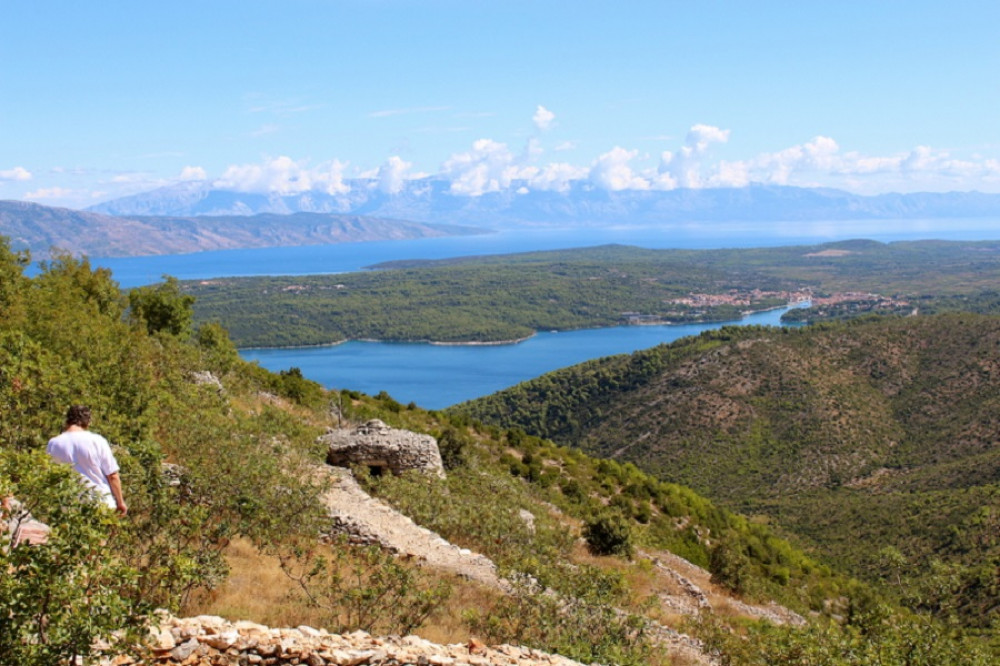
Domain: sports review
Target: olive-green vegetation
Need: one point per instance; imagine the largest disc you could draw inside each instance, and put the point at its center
(476, 301)
(622, 510)
(873, 441)
(205, 461)
(508, 297)
(70, 336)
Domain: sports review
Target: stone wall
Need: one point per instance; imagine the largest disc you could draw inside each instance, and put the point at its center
(212, 641)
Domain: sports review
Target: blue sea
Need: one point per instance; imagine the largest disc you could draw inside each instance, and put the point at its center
(438, 376)
(345, 257)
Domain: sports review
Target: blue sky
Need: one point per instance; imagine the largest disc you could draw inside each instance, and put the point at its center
(105, 99)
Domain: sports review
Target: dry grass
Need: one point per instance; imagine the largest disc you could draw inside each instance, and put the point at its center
(258, 590)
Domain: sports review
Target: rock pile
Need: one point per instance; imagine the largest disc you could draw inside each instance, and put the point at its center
(380, 447)
(212, 641)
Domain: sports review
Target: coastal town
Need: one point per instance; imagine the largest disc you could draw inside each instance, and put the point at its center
(705, 306)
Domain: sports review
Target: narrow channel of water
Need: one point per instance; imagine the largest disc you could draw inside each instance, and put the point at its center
(436, 376)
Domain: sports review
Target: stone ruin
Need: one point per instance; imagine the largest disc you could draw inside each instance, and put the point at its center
(382, 449)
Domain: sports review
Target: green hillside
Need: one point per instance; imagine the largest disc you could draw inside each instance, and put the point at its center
(875, 441)
(217, 453)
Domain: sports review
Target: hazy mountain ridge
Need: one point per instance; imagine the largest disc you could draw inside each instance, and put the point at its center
(41, 228)
(430, 199)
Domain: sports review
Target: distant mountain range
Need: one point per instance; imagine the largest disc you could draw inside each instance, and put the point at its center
(42, 228)
(430, 200)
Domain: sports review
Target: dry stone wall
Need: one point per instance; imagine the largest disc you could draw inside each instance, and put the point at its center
(212, 641)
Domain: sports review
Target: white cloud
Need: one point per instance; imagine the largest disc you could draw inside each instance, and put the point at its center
(488, 167)
(822, 154)
(684, 167)
(543, 118)
(15, 174)
(821, 160)
(557, 177)
(700, 136)
(392, 175)
(612, 171)
(283, 175)
(565, 145)
(193, 173)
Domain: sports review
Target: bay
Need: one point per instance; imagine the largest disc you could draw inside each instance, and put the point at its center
(438, 376)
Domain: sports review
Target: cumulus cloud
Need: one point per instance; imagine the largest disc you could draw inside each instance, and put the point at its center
(283, 175)
(612, 171)
(488, 167)
(193, 173)
(700, 136)
(391, 176)
(821, 160)
(543, 118)
(557, 177)
(684, 168)
(15, 174)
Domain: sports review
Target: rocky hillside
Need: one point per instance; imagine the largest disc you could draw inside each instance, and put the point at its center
(42, 228)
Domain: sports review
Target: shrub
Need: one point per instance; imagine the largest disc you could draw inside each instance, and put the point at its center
(609, 534)
(61, 596)
(364, 587)
(454, 448)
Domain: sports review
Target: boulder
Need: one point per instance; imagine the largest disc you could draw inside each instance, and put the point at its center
(383, 448)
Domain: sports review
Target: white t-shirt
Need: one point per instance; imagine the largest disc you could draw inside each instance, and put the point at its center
(90, 455)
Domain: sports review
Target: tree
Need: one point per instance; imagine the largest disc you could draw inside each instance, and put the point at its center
(163, 307)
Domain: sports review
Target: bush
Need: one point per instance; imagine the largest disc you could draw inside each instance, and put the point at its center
(61, 596)
(364, 587)
(583, 623)
(454, 448)
(609, 534)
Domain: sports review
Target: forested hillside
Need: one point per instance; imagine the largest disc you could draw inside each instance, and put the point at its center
(874, 441)
(219, 466)
(509, 297)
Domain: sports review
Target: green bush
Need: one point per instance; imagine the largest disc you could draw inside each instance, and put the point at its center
(61, 596)
(609, 534)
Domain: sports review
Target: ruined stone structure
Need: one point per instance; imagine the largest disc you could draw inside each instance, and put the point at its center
(383, 448)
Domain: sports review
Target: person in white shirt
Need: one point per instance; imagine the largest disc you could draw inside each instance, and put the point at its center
(91, 456)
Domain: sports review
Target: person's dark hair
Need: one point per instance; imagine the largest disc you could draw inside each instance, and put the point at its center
(78, 415)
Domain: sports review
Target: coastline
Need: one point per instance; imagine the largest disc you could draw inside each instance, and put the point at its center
(515, 341)
(470, 343)
(475, 343)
